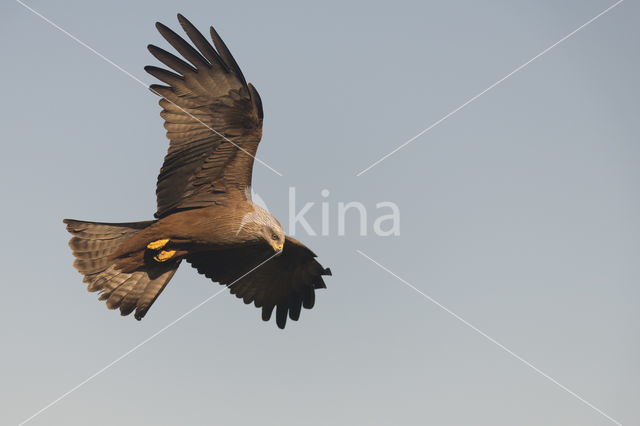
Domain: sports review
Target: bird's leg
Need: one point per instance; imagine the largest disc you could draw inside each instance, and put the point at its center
(161, 255)
(164, 255)
(158, 244)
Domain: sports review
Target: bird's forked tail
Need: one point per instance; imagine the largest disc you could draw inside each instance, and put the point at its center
(94, 245)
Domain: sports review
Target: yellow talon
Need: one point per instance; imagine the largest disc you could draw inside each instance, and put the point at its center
(164, 255)
(157, 244)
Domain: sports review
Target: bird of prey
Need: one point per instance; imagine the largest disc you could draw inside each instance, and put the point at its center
(205, 214)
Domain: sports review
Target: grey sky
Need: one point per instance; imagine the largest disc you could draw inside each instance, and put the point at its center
(519, 213)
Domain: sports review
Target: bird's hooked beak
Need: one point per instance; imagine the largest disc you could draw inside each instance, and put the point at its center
(277, 247)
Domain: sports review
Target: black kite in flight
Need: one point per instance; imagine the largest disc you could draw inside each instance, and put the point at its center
(205, 214)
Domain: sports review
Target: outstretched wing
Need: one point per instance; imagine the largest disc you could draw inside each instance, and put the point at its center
(213, 119)
(286, 282)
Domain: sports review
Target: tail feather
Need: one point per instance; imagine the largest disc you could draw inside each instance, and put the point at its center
(94, 244)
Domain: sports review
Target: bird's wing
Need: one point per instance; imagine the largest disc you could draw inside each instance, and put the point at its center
(213, 120)
(286, 282)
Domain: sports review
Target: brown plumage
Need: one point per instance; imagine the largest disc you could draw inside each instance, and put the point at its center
(205, 214)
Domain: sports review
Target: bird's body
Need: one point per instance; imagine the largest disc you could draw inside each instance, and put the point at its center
(205, 214)
(206, 229)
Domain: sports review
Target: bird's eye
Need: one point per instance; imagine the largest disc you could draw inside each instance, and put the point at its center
(274, 236)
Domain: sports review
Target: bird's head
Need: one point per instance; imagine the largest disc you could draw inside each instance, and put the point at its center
(274, 235)
(259, 225)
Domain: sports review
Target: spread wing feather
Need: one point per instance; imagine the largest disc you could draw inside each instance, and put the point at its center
(213, 119)
(286, 282)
